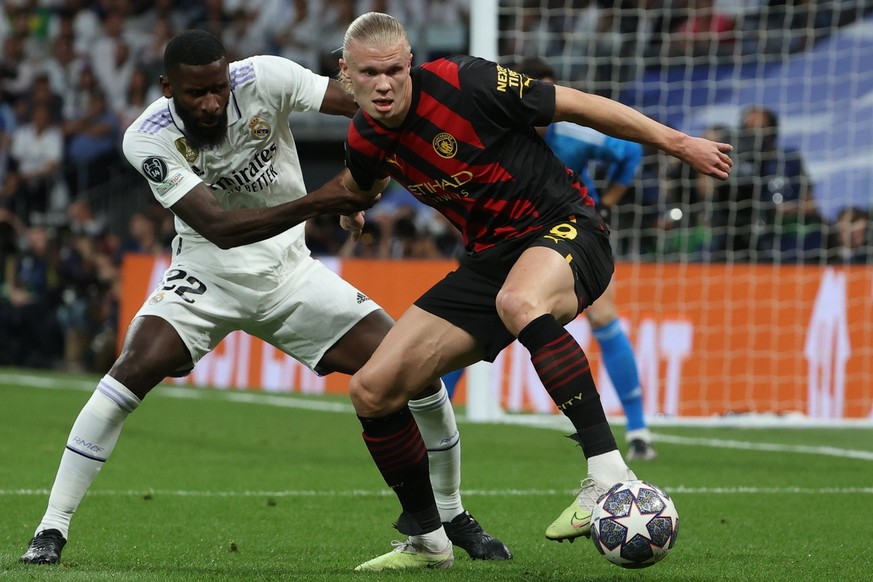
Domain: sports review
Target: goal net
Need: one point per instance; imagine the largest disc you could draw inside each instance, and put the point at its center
(747, 299)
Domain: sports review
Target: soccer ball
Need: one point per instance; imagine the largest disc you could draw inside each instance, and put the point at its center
(634, 524)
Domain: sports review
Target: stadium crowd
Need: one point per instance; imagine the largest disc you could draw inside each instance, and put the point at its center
(75, 73)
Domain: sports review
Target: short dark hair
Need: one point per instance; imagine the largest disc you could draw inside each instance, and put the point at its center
(193, 47)
(536, 68)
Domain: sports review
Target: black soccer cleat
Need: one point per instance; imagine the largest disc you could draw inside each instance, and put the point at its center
(44, 548)
(465, 532)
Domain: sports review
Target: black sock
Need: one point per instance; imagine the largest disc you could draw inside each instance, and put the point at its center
(397, 448)
(565, 372)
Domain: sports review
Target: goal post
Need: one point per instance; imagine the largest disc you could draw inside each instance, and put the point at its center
(775, 326)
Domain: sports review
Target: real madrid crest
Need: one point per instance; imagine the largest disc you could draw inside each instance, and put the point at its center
(186, 150)
(260, 128)
(445, 145)
(156, 298)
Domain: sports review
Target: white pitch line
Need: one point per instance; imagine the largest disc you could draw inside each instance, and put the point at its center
(467, 492)
(771, 447)
(553, 422)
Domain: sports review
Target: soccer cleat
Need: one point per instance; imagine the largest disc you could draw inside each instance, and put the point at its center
(575, 521)
(44, 548)
(466, 533)
(407, 556)
(640, 450)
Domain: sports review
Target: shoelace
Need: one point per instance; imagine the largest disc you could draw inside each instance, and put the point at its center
(588, 491)
(403, 545)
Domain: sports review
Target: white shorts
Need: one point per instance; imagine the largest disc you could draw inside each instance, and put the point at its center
(302, 308)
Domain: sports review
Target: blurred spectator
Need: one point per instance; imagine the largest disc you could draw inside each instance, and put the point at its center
(92, 150)
(403, 10)
(336, 17)
(785, 212)
(323, 235)
(443, 28)
(77, 17)
(851, 241)
(369, 246)
(151, 57)
(29, 300)
(173, 14)
(765, 212)
(43, 94)
(687, 204)
(703, 31)
(77, 101)
(298, 27)
(112, 58)
(143, 234)
(8, 123)
(36, 154)
(531, 29)
(86, 315)
(16, 69)
(210, 16)
(63, 67)
(141, 92)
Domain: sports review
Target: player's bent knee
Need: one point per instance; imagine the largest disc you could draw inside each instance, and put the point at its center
(372, 399)
(514, 309)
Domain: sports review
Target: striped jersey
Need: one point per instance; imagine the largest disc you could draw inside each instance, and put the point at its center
(468, 147)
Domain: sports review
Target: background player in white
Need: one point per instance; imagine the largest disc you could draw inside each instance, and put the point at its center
(218, 151)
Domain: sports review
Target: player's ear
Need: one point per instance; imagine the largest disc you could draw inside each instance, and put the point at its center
(166, 87)
(344, 68)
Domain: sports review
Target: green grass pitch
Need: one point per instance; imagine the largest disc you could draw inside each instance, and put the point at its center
(223, 485)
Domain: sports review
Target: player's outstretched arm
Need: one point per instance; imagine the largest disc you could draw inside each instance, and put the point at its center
(614, 118)
(338, 101)
(232, 228)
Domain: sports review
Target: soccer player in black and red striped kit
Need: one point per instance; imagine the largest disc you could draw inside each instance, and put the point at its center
(459, 134)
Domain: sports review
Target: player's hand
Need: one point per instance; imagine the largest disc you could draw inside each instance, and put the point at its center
(354, 224)
(335, 198)
(708, 157)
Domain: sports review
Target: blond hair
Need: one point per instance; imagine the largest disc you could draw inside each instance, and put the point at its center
(373, 29)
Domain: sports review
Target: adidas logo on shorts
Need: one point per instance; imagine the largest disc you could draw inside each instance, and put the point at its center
(362, 298)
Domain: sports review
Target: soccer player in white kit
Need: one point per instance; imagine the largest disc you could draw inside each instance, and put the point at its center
(218, 151)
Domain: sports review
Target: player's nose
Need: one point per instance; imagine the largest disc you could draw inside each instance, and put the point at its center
(211, 104)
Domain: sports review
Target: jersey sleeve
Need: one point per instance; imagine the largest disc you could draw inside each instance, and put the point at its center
(287, 85)
(164, 168)
(512, 98)
(363, 158)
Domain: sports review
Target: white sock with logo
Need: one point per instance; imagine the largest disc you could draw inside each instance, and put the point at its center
(89, 445)
(435, 418)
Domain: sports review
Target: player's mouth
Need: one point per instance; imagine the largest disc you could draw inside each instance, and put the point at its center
(383, 105)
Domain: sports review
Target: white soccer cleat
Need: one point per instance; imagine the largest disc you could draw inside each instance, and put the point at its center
(407, 555)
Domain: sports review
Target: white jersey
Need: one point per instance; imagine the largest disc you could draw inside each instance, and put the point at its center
(256, 166)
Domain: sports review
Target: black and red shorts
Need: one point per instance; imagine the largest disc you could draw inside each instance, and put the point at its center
(466, 297)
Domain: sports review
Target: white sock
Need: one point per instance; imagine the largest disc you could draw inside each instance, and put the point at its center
(608, 467)
(90, 443)
(435, 541)
(644, 434)
(435, 418)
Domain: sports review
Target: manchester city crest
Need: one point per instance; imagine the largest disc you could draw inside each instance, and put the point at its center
(445, 145)
(260, 129)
